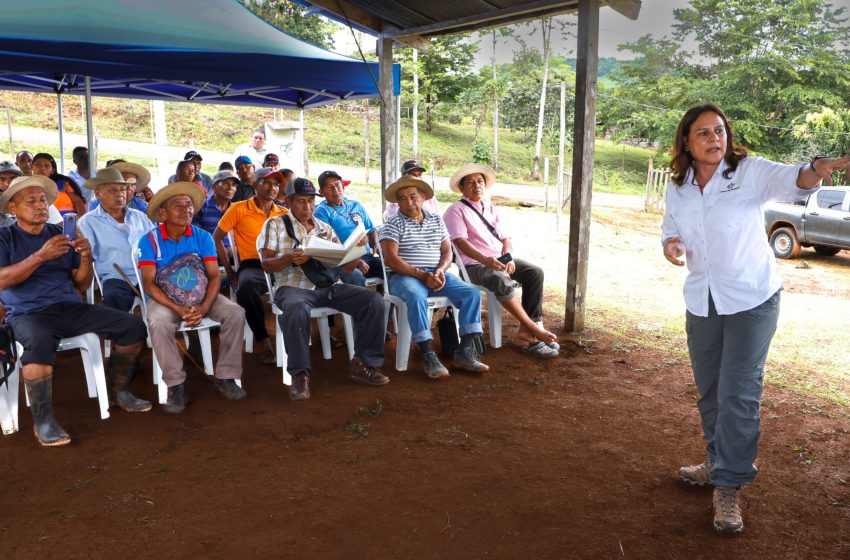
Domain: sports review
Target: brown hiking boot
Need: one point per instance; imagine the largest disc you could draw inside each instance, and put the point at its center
(300, 387)
(359, 371)
(727, 510)
(697, 475)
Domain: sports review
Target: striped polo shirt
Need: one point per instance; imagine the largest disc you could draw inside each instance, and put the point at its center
(418, 244)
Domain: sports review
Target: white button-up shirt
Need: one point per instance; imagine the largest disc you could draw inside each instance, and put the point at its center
(111, 242)
(727, 251)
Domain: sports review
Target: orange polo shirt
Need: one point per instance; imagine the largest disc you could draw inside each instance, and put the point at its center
(246, 221)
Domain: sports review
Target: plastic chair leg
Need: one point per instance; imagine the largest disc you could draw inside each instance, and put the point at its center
(349, 334)
(278, 343)
(249, 339)
(92, 356)
(494, 319)
(325, 336)
(107, 348)
(161, 388)
(8, 401)
(402, 347)
(206, 350)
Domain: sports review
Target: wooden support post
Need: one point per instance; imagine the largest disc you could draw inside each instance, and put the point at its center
(388, 129)
(583, 154)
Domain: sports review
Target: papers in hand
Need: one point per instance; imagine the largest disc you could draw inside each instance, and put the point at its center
(333, 254)
(206, 322)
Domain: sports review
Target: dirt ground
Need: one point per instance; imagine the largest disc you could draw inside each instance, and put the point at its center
(570, 458)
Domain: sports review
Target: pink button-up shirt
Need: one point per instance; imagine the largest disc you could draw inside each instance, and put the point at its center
(462, 221)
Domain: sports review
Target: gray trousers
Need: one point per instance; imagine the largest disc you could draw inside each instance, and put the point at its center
(163, 324)
(728, 353)
(529, 276)
(365, 306)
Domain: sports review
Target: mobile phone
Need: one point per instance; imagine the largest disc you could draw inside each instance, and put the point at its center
(505, 259)
(69, 225)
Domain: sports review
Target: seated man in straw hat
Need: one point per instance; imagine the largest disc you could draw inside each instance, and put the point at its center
(302, 284)
(41, 273)
(485, 248)
(112, 229)
(179, 270)
(412, 168)
(416, 246)
(137, 178)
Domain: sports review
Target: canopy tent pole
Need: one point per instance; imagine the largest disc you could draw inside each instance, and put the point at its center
(388, 130)
(61, 134)
(90, 129)
(397, 169)
(305, 165)
(584, 138)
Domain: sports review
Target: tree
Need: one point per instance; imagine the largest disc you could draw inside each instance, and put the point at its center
(294, 20)
(444, 71)
(766, 62)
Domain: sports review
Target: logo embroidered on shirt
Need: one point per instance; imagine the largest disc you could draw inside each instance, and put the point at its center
(729, 187)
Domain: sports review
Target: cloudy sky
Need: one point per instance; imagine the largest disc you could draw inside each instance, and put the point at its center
(656, 18)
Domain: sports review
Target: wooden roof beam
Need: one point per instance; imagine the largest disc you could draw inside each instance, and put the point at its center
(629, 8)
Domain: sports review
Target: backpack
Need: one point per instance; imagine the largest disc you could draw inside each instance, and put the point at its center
(185, 280)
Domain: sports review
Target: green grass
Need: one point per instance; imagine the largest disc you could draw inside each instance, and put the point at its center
(334, 134)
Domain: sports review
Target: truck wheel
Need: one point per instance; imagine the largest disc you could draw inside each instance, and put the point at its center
(784, 243)
(826, 251)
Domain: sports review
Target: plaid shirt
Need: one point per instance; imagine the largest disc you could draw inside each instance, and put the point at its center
(273, 236)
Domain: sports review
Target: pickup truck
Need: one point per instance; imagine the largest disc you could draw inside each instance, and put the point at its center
(821, 221)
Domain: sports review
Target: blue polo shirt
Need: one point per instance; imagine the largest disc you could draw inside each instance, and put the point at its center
(194, 240)
(344, 219)
(208, 216)
(50, 283)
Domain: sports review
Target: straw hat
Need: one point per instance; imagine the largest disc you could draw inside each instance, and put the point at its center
(192, 190)
(143, 176)
(105, 176)
(20, 183)
(469, 169)
(408, 181)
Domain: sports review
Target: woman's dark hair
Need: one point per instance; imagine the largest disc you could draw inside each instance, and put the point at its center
(682, 160)
(57, 177)
(225, 165)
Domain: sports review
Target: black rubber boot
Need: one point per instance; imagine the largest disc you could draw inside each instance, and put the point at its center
(47, 431)
(176, 400)
(122, 370)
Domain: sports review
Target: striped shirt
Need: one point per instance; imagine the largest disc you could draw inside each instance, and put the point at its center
(209, 215)
(418, 244)
(273, 236)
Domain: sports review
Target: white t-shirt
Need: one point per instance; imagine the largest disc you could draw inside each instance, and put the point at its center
(257, 156)
(727, 251)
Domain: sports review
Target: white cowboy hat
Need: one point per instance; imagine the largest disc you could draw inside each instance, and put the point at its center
(469, 169)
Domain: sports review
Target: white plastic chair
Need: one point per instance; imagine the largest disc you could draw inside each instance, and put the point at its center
(89, 346)
(203, 331)
(404, 337)
(321, 314)
(494, 307)
(249, 334)
(137, 302)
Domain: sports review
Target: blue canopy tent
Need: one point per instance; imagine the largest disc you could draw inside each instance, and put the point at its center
(202, 51)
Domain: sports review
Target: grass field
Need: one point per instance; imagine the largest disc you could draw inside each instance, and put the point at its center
(334, 134)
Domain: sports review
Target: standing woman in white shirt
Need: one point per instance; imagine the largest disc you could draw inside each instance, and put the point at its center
(715, 216)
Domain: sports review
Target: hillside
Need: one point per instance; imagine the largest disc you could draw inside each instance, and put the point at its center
(334, 134)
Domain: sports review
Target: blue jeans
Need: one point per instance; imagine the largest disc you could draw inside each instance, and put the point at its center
(727, 355)
(415, 293)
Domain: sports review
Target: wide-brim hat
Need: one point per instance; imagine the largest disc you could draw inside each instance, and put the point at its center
(192, 190)
(408, 181)
(106, 176)
(468, 169)
(143, 176)
(20, 183)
